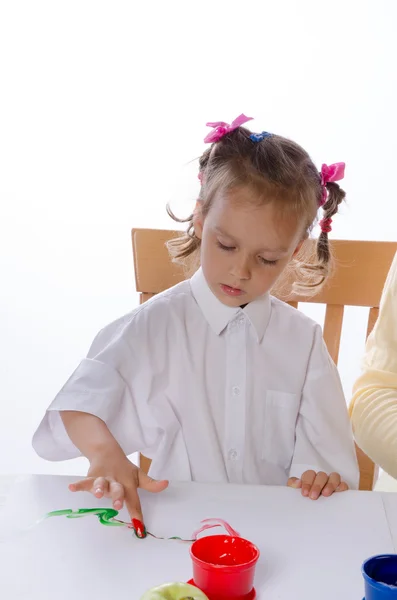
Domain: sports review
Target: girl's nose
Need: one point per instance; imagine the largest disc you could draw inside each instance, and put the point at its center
(241, 270)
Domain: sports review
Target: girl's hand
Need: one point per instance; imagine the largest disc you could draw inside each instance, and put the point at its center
(314, 485)
(112, 475)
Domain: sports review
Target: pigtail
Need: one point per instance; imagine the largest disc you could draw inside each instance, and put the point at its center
(335, 196)
(183, 249)
(314, 263)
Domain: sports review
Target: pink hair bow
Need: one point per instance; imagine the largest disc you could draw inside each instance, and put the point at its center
(334, 172)
(221, 128)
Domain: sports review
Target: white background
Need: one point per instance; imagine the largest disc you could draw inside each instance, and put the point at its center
(102, 107)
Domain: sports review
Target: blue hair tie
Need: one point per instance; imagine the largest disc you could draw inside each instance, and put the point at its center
(258, 137)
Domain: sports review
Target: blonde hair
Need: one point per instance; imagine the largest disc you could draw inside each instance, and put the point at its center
(278, 170)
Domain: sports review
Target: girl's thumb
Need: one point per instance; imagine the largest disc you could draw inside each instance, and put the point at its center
(151, 485)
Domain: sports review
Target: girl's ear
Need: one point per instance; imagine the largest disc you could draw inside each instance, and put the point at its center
(198, 220)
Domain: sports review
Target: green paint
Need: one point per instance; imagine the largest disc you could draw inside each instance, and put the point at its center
(106, 516)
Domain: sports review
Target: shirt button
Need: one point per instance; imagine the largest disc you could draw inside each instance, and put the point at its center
(235, 390)
(233, 455)
(240, 320)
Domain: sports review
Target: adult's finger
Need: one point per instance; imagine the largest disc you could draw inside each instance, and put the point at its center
(308, 478)
(318, 485)
(332, 484)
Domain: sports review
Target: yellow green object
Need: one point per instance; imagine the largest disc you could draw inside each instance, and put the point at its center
(174, 591)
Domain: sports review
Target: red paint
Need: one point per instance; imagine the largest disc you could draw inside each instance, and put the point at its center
(139, 528)
(222, 563)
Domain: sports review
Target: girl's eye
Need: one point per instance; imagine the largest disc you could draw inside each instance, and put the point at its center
(272, 263)
(223, 247)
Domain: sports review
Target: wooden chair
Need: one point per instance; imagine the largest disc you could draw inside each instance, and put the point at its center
(358, 279)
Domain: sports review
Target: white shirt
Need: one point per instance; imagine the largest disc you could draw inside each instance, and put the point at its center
(212, 393)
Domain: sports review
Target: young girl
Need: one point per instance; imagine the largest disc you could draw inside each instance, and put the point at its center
(214, 379)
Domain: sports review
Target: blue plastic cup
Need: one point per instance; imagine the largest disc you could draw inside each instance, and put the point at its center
(380, 577)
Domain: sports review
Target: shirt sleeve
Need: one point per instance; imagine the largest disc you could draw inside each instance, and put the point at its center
(374, 402)
(109, 383)
(324, 437)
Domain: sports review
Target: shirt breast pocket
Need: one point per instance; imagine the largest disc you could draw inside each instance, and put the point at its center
(281, 411)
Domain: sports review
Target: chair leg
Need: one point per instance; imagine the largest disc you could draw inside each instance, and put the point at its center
(368, 470)
(144, 463)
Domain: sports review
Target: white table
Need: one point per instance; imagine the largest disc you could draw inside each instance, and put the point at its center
(385, 483)
(309, 550)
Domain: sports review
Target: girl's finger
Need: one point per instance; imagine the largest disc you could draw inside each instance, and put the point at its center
(308, 479)
(100, 487)
(342, 487)
(320, 481)
(84, 485)
(332, 484)
(117, 494)
(135, 511)
(294, 482)
(149, 484)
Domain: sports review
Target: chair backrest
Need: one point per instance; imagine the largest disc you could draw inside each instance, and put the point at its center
(358, 280)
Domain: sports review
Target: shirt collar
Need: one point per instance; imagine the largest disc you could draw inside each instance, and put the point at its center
(219, 315)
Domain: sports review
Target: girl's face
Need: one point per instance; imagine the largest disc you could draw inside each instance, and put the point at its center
(245, 247)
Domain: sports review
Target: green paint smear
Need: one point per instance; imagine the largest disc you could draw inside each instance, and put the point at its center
(106, 516)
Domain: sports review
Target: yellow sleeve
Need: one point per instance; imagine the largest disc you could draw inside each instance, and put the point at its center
(373, 408)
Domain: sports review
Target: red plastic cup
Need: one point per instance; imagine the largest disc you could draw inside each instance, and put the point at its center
(224, 566)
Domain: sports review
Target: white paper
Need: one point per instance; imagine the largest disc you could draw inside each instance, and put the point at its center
(309, 550)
